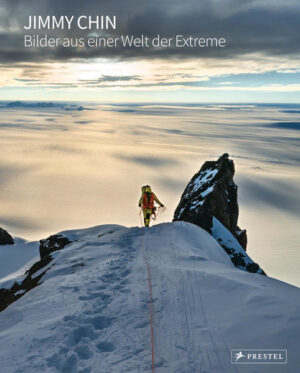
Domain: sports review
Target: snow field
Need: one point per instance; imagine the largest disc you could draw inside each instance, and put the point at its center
(90, 314)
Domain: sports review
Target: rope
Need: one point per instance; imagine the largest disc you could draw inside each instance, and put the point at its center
(160, 210)
(154, 216)
(150, 304)
(151, 314)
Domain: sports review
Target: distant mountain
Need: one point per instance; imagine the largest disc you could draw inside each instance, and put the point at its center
(41, 105)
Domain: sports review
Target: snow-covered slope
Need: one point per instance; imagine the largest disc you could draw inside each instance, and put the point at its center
(237, 254)
(91, 312)
(15, 259)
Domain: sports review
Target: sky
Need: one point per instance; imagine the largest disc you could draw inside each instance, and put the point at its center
(260, 63)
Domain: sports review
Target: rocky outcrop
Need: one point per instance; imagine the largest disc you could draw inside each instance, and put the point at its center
(32, 277)
(210, 201)
(5, 238)
(53, 243)
(212, 193)
(237, 254)
(31, 280)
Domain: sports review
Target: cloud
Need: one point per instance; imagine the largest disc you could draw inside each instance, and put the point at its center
(172, 184)
(290, 111)
(65, 149)
(108, 81)
(126, 111)
(9, 172)
(156, 155)
(279, 194)
(149, 161)
(83, 121)
(20, 223)
(265, 26)
(26, 80)
(114, 78)
(42, 105)
(287, 125)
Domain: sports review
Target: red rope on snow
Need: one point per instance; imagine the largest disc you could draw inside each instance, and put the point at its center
(150, 312)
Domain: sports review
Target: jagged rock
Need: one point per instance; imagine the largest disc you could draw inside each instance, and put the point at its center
(252, 267)
(5, 238)
(241, 236)
(36, 271)
(33, 276)
(212, 193)
(53, 243)
(230, 244)
(210, 201)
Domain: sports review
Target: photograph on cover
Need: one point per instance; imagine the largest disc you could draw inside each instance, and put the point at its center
(149, 186)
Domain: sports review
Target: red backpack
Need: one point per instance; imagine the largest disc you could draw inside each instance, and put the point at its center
(148, 201)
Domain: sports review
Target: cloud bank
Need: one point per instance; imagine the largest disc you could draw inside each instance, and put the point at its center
(265, 26)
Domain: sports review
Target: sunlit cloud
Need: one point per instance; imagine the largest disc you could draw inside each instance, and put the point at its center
(262, 38)
(142, 75)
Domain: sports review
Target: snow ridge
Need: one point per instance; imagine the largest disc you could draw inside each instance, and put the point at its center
(90, 313)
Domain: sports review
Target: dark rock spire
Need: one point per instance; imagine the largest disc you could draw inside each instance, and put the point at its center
(210, 201)
(212, 193)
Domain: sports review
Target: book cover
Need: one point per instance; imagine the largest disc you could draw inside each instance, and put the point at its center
(149, 186)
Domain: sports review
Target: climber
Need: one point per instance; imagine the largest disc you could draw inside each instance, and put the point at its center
(147, 204)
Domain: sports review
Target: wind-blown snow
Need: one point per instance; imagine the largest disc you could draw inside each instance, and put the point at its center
(90, 314)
